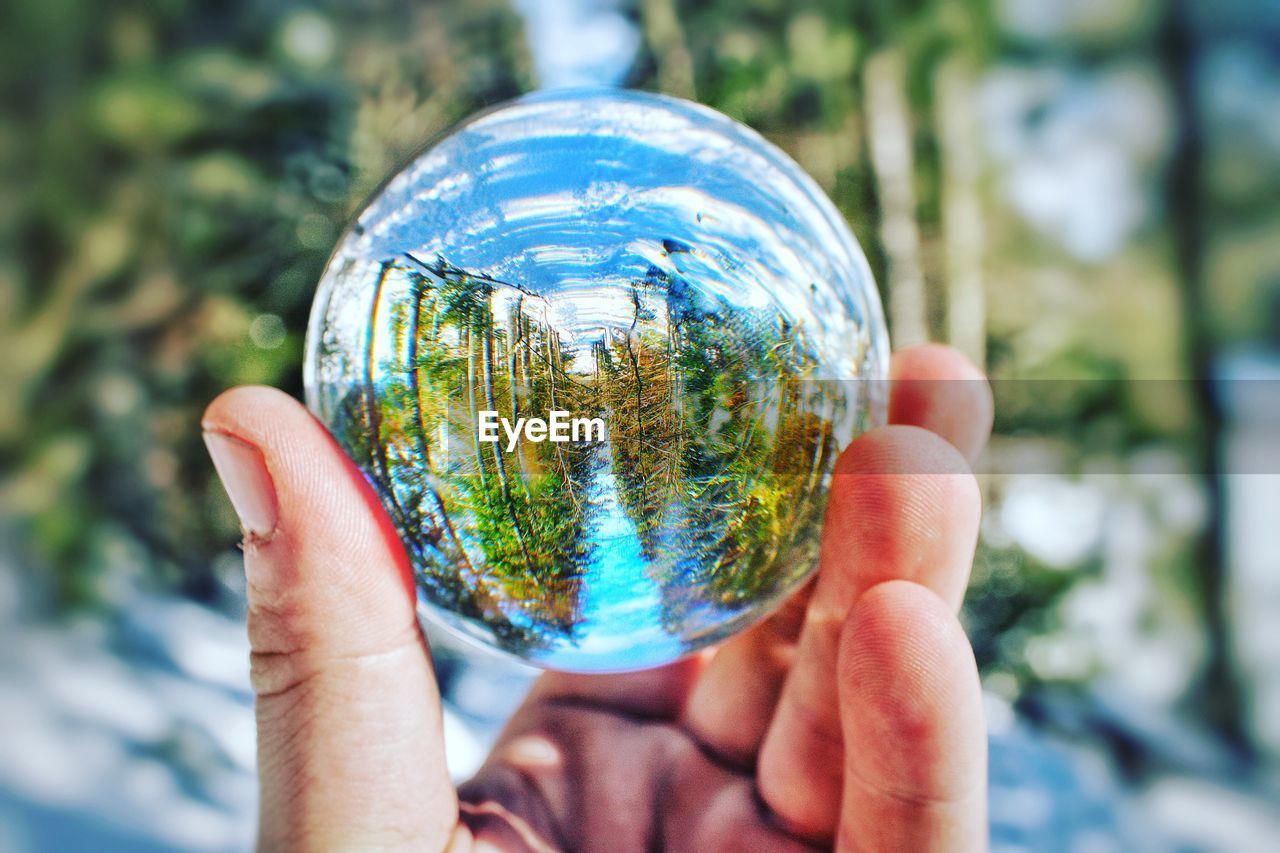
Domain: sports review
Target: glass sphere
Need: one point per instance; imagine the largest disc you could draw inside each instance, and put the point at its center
(597, 352)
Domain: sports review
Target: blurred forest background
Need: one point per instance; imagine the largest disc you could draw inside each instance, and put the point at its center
(1080, 195)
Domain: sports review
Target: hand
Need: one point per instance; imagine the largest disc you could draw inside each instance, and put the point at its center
(852, 715)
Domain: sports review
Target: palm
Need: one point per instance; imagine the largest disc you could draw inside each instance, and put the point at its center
(619, 762)
(590, 775)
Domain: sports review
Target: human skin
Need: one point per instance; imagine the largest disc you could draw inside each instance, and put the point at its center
(852, 717)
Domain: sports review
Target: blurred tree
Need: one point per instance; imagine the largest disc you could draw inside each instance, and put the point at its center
(175, 176)
(885, 104)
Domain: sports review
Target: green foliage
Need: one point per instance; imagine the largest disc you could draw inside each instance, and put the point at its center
(1064, 340)
(175, 176)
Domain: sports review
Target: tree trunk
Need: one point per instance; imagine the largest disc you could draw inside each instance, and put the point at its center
(889, 128)
(490, 398)
(962, 219)
(670, 50)
(472, 402)
(377, 449)
(424, 449)
(1218, 691)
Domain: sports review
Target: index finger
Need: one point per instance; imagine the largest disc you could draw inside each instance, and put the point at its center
(936, 387)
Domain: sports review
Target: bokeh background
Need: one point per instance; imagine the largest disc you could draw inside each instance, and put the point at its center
(1081, 194)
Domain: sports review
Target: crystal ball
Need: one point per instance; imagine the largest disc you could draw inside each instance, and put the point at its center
(597, 352)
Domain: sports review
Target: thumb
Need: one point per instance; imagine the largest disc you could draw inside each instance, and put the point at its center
(350, 746)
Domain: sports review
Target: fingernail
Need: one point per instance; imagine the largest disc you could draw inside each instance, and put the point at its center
(244, 475)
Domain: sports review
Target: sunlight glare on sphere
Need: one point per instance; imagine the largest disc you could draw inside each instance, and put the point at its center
(680, 293)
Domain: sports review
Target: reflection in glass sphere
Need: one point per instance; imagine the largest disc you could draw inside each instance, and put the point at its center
(680, 293)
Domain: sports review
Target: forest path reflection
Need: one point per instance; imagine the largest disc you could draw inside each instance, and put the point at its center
(617, 586)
